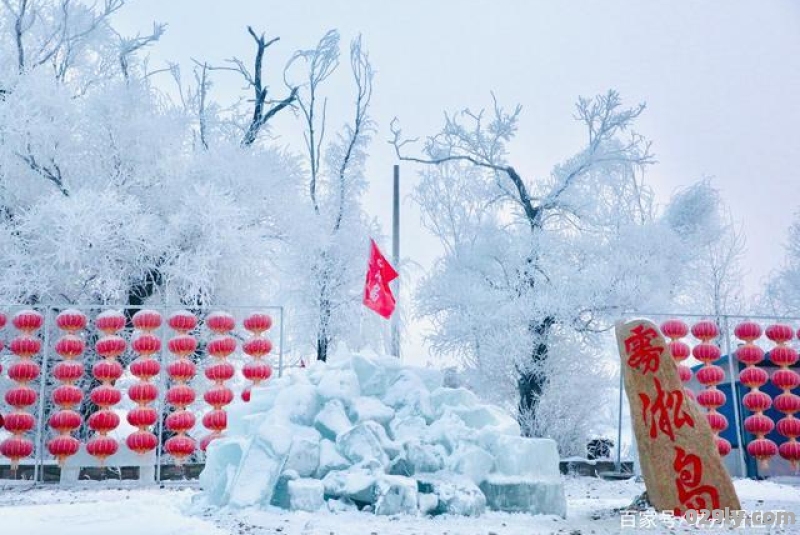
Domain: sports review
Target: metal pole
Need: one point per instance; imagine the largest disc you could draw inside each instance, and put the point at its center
(735, 398)
(619, 425)
(38, 466)
(396, 257)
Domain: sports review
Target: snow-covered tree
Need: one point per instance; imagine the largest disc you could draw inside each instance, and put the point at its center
(324, 270)
(782, 292)
(533, 270)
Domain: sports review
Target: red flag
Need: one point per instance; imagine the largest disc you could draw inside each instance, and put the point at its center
(377, 294)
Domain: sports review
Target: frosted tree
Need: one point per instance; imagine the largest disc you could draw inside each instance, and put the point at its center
(533, 270)
(327, 263)
(782, 291)
(713, 284)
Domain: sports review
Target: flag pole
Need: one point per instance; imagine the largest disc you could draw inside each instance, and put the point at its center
(396, 258)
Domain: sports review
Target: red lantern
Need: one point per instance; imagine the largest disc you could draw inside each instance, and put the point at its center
(146, 344)
(220, 322)
(143, 393)
(70, 346)
(257, 323)
(146, 320)
(23, 371)
(791, 452)
(180, 421)
(680, 351)
(685, 373)
(750, 354)
(71, 321)
(25, 346)
(67, 396)
(221, 346)
(705, 330)
(16, 448)
(706, 352)
(62, 447)
(220, 372)
(723, 446)
(142, 417)
(246, 395)
(18, 423)
(762, 449)
(145, 368)
(180, 396)
(789, 427)
(779, 333)
(65, 421)
(181, 370)
(749, 331)
(783, 356)
(753, 377)
(2, 320)
(787, 403)
(110, 321)
(216, 420)
(105, 396)
(756, 401)
(28, 321)
(674, 329)
(179, 447)
(20, 397)
(711, 398)
(104, 421)
(107, 371)
(257, 371)
(759, 424)
(717, 421)
(710, 375)
(141, 442)
(182, 321)
(102, 447)
(218, 396)
(182, 345)
(110, 347)
(786, 379)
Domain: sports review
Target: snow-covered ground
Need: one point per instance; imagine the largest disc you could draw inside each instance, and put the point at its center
(104, 509)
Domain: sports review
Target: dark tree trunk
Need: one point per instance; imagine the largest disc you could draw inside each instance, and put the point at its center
(531, 381)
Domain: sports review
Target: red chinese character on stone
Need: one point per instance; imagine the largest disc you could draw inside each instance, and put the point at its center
(691, 492)
(641, 351)
(665, 413)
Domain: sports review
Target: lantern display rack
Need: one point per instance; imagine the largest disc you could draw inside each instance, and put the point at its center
(58, 361)
(765, 349)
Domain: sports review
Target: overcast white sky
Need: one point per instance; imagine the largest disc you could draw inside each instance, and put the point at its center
(721, 80)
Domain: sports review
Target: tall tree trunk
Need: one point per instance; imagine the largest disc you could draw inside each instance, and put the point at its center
(531, 381)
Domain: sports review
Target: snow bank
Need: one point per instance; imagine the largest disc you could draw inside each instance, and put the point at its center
(365, 432)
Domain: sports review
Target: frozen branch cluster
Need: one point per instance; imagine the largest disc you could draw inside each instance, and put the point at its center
(535, 269)
(116, 189)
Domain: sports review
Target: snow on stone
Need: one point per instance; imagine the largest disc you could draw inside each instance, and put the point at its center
(365, 432)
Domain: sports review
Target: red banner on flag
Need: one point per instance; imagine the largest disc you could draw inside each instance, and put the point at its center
(377, 294)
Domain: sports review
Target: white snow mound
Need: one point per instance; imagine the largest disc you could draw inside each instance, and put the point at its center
(367, 432)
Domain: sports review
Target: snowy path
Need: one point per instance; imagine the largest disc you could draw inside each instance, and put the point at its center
(99, 510)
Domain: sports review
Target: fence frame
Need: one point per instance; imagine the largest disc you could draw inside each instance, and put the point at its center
(50, 310)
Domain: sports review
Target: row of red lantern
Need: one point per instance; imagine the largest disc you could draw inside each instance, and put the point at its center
(710, 375)
(145, 368)
(21, 396)
(753, 377)
(756, 401)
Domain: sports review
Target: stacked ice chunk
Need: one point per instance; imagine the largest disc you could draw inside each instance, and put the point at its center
(365, 432)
